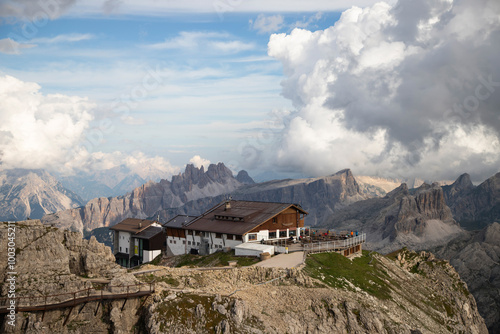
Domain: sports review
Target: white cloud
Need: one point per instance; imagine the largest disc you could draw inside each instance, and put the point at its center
(35, 10)
(386, 90)
(266, 24)
(206, 41)
(147, 167)
(198, 161)
(39, 131)
(49, 132)
(217, 7)
(12, 47)
(64, 38)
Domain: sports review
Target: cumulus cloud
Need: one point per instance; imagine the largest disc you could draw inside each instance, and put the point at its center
(49, 132)
(147, 167)
(198, 161)
(266, 24)
(39, 131)
(409, 89)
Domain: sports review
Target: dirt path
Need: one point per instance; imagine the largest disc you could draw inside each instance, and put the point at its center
(291, 260)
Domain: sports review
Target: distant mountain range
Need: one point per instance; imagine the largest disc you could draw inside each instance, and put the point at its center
(111, 182)
(33, 193)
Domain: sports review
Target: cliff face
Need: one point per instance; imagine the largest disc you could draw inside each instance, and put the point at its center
(148, 199)
(474, 207)
(476, 257)
(418, 220)
(51, 261)
(56, 260)
(32, 193)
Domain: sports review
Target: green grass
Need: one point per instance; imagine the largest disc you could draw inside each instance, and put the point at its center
(167, 279)
(334, 269)
(219, 259)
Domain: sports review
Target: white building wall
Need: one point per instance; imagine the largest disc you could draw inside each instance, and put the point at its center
(148, 256)
(124, 242)
(177, 245)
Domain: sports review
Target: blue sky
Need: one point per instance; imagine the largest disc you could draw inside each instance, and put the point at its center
(293, 87)
(218, 84)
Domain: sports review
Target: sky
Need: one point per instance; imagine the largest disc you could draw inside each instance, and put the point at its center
(290, 88)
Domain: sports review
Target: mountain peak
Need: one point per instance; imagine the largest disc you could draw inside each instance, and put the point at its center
(244, 178)
(463, 182)
(402, 189)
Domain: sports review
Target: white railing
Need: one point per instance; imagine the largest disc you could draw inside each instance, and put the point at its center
(326, 246)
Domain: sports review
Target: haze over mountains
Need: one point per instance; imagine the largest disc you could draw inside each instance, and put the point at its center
(33, 193)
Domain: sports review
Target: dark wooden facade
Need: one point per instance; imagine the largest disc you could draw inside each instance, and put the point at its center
(289, 219)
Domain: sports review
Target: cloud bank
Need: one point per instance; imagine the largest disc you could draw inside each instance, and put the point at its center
(39, 131)
(48, 132)
(411, 89)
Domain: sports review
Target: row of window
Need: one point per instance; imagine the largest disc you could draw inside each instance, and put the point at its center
(217, 235)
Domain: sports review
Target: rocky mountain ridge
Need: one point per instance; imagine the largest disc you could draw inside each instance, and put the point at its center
(418, 219)
(32, 193)
(148, 199)
(474, 207)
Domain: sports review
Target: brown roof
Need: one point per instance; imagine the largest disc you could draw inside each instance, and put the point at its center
(179, 221)
(242, 217)
(149, 232)
(132, 225)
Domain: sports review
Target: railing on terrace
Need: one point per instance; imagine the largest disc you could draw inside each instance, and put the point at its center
(325, 246)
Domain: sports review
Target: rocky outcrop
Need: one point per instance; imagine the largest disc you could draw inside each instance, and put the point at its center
(474, 207)
(50, 261)
(476, 257)
(418, 219)
(32, 193)
(148, 199)
(420, 299)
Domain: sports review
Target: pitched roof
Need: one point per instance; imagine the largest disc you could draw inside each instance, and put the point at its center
(242, 217)
(132, 225)
(149, 232)
(179, 221)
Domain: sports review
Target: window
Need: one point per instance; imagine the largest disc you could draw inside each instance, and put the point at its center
(272, 235)
(189, 243)
(170, 240)
(126, 250)
(237, 237)
(175, 242)
(183, 242)
(252, 236)
(120, 249)
(197, 244)
(292, 233)
(218, 235)
(282, 234)
(274, 220)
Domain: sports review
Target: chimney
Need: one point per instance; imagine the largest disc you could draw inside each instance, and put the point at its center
(228, 205)
(140, 224)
